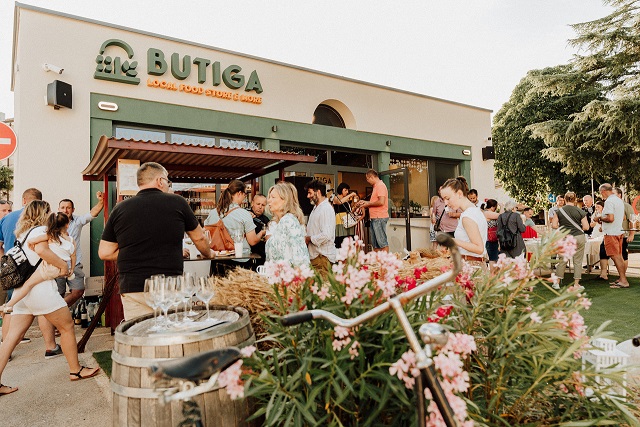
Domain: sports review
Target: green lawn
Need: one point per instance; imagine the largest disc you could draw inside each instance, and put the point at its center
(621, 306)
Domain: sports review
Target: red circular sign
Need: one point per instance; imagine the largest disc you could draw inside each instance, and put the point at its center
(8, 141)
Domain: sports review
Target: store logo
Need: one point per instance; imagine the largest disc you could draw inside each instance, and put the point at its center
(115, 69)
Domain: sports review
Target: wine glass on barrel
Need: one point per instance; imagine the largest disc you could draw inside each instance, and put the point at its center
(204, 291)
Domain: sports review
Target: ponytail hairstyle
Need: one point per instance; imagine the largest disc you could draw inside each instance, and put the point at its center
(55, 224)
(457, 184)
(235, 186)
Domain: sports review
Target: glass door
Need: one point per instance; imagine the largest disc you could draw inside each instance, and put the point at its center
(397, 181)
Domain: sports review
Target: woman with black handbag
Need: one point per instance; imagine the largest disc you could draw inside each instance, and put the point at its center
(344, 216)
(42, 300)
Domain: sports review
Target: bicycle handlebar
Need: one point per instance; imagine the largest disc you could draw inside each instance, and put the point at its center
(305, 316)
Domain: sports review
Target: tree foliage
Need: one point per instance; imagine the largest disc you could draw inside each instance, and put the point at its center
(520, 164)
(6, 181)
(604, 136)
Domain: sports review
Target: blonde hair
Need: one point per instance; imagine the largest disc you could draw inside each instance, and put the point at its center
(289, 194)
(35, 214)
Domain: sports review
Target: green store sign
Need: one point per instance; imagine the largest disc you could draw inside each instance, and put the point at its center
(124, 69)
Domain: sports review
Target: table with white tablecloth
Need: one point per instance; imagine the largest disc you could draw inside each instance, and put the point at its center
(591, 250)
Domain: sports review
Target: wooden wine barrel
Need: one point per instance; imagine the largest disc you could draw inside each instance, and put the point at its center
(135, 403)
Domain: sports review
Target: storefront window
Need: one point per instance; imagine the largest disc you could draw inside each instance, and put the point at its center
(193, 139)
(140, 134)
(419, 197)
(327, 116)
(358, 160)
(238, 143)
(320, 155)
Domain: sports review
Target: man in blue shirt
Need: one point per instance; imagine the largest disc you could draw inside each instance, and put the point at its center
(76, 222)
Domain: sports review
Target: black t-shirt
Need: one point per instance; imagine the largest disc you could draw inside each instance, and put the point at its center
(149, 229)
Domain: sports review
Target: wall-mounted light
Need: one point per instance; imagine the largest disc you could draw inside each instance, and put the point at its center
(108, 106)
(466, 152)
(274, 128)
(388, 143)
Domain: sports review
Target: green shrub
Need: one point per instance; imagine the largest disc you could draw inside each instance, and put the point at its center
(526, 369)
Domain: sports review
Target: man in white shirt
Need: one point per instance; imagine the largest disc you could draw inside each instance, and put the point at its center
(321, 228)
(611, 220)
(554, 209)
(76, 222)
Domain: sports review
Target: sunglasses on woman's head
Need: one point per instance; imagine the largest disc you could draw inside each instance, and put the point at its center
(6, 202)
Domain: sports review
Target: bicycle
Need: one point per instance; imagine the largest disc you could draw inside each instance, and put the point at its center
(433, 335)
(208, 365)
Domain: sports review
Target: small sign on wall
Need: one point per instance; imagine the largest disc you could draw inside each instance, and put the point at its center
(327, 178)
(126, 177)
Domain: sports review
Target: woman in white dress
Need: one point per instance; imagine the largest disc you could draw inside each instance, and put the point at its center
(42, 300)
(471, 232)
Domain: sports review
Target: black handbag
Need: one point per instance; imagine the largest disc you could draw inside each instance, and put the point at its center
(15, 267)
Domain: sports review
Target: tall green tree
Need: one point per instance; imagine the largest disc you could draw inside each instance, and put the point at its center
(526, 173)
(604, 136)
(6, 181)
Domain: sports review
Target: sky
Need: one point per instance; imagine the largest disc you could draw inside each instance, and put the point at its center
(469, 51)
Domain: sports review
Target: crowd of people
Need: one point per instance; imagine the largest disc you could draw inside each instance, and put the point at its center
(144, 236)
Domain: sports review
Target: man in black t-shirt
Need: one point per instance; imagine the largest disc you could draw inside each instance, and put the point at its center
(258, 204)
(589, 208)
(144, 235)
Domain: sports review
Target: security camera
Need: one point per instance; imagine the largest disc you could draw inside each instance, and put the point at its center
(54, 68)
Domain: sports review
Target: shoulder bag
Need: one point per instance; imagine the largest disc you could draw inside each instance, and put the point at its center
(220, 238)
(347, 218)
(15, 267)
(566, 215)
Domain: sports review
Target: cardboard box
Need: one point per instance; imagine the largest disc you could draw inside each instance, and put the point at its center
(93, 286)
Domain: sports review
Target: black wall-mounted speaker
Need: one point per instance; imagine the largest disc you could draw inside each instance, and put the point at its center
(488, 153)
(59, 94)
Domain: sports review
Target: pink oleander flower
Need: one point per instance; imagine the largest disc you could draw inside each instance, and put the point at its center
(577, 378)
(281, 272)
(341, 332)
(584, 302)
(353, 350)
(461, 344)
(247, 351)
(230, 380)
(535, 317)
(562, 319)
(567, 247)
(577, 327)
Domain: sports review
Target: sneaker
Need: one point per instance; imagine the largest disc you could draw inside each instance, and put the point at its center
(25, 340)
(555, 286)
(50, 354)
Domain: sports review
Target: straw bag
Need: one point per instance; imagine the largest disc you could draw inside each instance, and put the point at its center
(15, 268)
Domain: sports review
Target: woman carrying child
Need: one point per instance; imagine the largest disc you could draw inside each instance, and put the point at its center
(43, 298)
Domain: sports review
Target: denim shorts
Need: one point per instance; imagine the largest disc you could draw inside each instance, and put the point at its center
(379, 233)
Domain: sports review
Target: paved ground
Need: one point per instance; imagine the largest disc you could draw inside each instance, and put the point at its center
(47, 397)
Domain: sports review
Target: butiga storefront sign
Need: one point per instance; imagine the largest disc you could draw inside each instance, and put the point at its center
(214, 79)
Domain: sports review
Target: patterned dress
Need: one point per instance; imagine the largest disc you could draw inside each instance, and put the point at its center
(287, 242)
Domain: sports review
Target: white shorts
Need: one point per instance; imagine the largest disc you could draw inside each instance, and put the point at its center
(42, 299)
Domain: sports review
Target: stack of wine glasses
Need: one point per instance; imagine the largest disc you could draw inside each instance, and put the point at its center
(163, 293)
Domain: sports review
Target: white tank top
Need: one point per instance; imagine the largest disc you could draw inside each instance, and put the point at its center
(478, 217)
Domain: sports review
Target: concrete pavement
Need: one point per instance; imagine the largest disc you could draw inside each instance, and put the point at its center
(46, 397)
